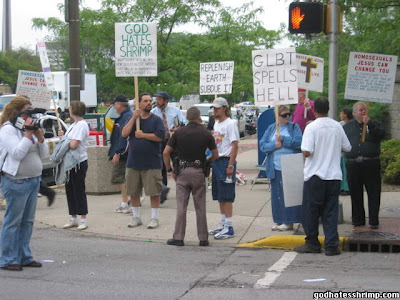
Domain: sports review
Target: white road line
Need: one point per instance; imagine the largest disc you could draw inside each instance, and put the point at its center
(275, 270)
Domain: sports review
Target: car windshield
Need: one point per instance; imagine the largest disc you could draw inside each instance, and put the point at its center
(204, 110)
(5, 99)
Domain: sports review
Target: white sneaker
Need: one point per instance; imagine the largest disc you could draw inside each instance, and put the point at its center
(275, 227)
(153, 224)
(123, 209)
(285, 227)
(70, 224)
(82, 226)
(135, 222)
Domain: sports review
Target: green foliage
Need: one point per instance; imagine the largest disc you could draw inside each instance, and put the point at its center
(13, 61)
(389, 150)
(390, 160)
(230, 34)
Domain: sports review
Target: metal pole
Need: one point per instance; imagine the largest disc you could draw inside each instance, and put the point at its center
(333, 60)
(6, 42)
(74, 52)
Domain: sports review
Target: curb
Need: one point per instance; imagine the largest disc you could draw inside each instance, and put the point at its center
(287, 242)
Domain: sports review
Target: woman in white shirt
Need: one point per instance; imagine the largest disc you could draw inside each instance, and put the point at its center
(78, 132)
(22, 147)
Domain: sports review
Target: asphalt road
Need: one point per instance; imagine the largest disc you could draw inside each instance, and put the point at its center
(89, 266)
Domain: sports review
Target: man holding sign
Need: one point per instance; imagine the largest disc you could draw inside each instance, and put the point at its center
(363, 166)
(143, 167)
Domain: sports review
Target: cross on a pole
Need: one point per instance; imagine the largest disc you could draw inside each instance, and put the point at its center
(309, 64)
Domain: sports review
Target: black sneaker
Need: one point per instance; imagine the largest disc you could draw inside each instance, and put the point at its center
(164, 193)
(306, 249)
(374, 226)
(175, 242)
(332, 252)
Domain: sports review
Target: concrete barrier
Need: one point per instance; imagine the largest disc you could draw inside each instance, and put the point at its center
(98, 177)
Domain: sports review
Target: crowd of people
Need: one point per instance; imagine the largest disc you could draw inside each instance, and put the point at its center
(149, 143)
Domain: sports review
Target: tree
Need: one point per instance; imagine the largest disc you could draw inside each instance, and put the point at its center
(14, 60)
(230, 34)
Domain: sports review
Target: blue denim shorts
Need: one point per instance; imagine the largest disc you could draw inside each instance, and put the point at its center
(221, 191)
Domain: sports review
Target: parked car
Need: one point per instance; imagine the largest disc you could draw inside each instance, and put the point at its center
(5, 99)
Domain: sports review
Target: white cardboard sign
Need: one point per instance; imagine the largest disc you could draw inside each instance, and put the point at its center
(275, 76)
(216, 78)
(33, 85)
(370, 77)
(135, 49)
(310, 72)
(44, 60)
(292, 179)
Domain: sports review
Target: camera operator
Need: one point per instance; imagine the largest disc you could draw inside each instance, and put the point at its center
(22, 147)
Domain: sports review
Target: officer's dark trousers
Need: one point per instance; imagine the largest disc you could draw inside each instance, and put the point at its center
(368, 174)
(191, 180)
(321, 199)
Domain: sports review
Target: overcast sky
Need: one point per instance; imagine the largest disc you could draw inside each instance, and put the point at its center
(275, 12)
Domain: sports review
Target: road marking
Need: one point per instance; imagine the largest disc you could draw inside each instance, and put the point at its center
(275, 270)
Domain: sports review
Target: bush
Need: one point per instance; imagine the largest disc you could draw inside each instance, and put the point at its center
(390, 160)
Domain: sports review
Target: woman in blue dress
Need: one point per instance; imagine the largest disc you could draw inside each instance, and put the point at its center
(276, 145)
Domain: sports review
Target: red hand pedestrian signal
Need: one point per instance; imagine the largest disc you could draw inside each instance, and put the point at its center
(306, 17)
(296, 18)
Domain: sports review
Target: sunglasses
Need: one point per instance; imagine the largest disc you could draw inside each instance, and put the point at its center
(285, 115)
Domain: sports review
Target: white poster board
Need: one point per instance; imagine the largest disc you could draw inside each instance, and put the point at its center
(292, 178)
(310, 72)
(275, 76)
(135, 49)
(44, 60)
(33, 85)
(216, 78)
(370, 77)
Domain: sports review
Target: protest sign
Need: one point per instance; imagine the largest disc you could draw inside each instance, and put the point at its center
(44, 60)
(33, 85)
(135, 49)
(292, 178)
(275, 76)
(310, 72)
(216, 78)
(370, 77)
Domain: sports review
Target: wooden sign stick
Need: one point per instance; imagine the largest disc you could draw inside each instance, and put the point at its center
(56, 111)
(364, 132)
(277, 119)
(136, 83)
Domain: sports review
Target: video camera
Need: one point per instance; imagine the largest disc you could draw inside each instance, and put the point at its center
(19, 120)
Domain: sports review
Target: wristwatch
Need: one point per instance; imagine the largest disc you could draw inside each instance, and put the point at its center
(169, 170)
(231, 167)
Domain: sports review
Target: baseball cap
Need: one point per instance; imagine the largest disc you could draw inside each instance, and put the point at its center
(219, 102)
(120, 98)
(164, 95)
(302, 90)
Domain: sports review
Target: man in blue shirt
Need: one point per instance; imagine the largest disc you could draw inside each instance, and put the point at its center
(172, 117)
(143, 167)
(117, 153)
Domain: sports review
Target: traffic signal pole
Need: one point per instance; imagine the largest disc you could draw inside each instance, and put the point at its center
(74, 51)
(333, 60)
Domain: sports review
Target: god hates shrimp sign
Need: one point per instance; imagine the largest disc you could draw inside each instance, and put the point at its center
(371, 77)
(135, 49)
(275, 76)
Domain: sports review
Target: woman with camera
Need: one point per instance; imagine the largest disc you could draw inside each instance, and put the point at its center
(22, 146)
(77, 136)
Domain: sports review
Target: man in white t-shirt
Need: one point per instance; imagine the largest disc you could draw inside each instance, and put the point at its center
(226, 135)
(323, 142)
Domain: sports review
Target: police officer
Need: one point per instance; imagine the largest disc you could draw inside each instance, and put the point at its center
(190, 143)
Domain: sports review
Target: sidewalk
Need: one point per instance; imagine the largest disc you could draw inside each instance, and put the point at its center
(252, 215)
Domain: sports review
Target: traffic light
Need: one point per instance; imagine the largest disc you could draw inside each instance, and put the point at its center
(306, 17)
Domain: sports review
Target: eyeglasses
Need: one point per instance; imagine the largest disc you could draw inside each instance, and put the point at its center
(285, 115)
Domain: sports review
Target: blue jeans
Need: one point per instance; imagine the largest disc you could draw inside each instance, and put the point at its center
(321, 199)
(21, 196)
